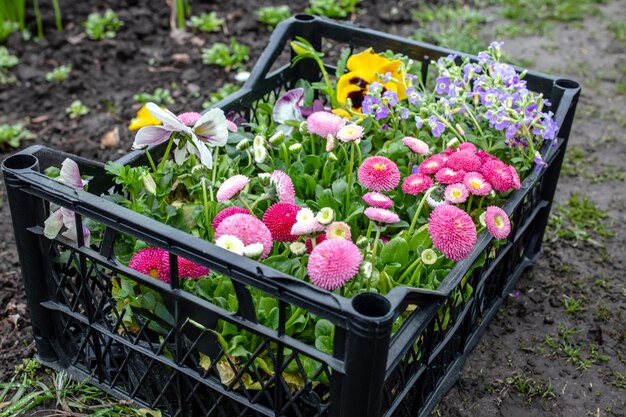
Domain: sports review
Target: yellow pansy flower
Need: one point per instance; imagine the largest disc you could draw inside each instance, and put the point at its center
(143, 118)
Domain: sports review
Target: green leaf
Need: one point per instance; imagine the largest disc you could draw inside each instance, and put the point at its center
(340, 187)
(323, 328)
(341, 64)
(324, 343)
(395, 251)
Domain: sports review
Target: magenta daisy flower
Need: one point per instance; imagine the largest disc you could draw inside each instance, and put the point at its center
(476, 184)
(464, 161)
(375, 199)
(456, 193)
(432, 164)
(323, 123)
(497, 222)
(248, 229)
(449, 176)
(416, 145)
(283, 186)
(380, 215)
(378, 173)
(416, 183)
(452, 231)
(279, 219)
(515, 181)
(338, 230)
(228, 211)
(334, 262)
(498, 174)
(350, 133)
(467, 146)
(319, 239)
(149, 261)
(232, 187)
(484, 156)
(186, 269)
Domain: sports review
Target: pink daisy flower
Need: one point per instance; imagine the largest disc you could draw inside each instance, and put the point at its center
(231, 187)
(248, 229)
(228, 211)
(307, 227)
(498, 174)
(449, 176)
(464, 161)
(279, 219)
(484, 156)
(432, 164)
(350, 133)
(186, 269)
(283, 186)
(515, 181)
(497, 222)
(189, 118)
(149, 261)
(338, 230)
(416, 183)
(334, 262)
(380, 215)
(323, 123)
(378, 173)
(476, 184)
(456, 193)
(375, 199)
(416, 145)
(452, 231)
(319, 239)
(467, 146)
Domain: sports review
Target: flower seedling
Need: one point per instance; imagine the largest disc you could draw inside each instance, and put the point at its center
(332, 8)
(13, 135)
(59, 74)
(102, 26)
(229, 57)
(206, 22)
(273, 15)
(160, 96)
(77, 109)
(7, 61)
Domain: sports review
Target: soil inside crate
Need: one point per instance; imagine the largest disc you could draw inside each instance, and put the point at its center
(144, 56)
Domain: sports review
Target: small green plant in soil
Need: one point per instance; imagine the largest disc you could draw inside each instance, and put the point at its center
(77, 109)
(59, 74)
(332, 8)
(102, 26)
(453, 27)
(32, 387)
(6, 28)
(537, 14)
(13, 135)
(222, 92)
(531, 387)
(159, 96)
(7, 61)
(578, 220)
(229, 57)
(270, 16)
(571, 304)
(565, 346)
(206, 22)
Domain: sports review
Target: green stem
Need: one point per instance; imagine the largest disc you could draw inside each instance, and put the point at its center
(245, 204)
(469, 204)
(358, 152)
(471, 115)
(480, 203)
(167, 153)
(418, 211)
(207, 217)
(285, 154)
(293, 318)
(258, 200)
(369, 231)
(216, 166)
(152, 165)
(312, 141)
(408, 270)
(348, 191)
(373, 254)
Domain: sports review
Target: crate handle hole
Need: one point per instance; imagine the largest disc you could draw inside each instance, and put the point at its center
(21, 161)
(567, 84)
(371, 305)
(303, 17)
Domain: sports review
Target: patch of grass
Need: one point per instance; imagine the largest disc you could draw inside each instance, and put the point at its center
(565, 346)
(538, 13)
(271, 16)
(618, 31)
(454, 27)
(159, 96)
(530, 386)
(102, 26)
(224, 91)
(332, 8)
(579, 219)
(77, 109)
(229, 57)
(619, 380)
(207, 22)
(13, 135)
(59, 74)
(571, 304)
(31, 386)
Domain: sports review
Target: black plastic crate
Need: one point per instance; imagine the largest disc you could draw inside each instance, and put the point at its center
(372, 371)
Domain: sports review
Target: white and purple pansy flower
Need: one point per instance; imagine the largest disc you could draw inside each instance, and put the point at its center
(288, 107)
(209, 129)
(69, 175)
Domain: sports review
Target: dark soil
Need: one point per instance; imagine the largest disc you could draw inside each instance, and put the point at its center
(527, 364)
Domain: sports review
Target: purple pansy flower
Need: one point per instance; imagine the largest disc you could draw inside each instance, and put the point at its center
(209, 130)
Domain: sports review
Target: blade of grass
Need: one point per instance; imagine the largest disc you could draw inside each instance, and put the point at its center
(57, 15)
